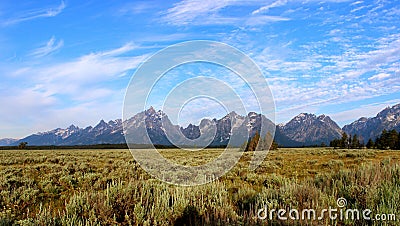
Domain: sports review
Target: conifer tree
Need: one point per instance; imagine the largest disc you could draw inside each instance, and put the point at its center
(370, 144)
(355, 143)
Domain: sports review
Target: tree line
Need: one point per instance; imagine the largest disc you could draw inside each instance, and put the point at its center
(387, 140)
(347, 141)
(256, 142)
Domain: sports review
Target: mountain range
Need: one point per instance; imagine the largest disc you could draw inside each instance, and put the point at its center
(366, 128)
(7, 141)
(304, 129)
(310, 129)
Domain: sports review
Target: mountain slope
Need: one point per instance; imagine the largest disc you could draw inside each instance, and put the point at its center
(311, 130)
(284, 140)
(366, 128)
(151, 126)
(7, 141)
(102, 133)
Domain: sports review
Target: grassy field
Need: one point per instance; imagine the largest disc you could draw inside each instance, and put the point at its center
(107, 187)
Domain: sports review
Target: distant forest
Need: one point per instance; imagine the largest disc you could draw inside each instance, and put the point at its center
(387, 140)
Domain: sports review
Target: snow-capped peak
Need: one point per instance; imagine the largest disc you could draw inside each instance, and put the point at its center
(303, 116)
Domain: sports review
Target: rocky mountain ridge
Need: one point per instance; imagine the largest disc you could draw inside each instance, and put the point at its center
(310, 129)
(303, 129)
(371, 128)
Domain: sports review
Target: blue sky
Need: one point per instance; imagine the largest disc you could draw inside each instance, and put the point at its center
(64, 62)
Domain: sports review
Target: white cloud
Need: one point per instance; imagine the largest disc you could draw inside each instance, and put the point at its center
(357, 9)
(331, 79)
(356, 2)
(34, 14)
(185, 12)
(199, 12)
(50, 47)
(115, 52)
(78, 91)
(379, 76)
(21, 107)
(267, 7)
(81, 73)
(335, 31)
(343, 61)
(261, 20)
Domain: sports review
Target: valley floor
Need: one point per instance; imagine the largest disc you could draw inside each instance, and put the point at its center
(107, 187)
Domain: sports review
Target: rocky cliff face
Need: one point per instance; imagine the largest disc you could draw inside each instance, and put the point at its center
(366, 128)
(310, 129)
(151, 126)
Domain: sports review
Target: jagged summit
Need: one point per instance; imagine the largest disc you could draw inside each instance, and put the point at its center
(371, 128)
(155, 123)
(233, 113)
(191, 131)
(303, 129)
(311, 129)
(72, 127)
(151, 110)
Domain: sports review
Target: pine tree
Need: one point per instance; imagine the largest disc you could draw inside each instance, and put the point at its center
(370, 144)
(344, 143)
(392, 138)
(355, 143)
(335, 143)
(384, 139)
(398, 142)
(253, 143)
(388, 140)
(22, 145)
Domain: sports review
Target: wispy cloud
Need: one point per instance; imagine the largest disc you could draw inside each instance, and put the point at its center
(86, 71)
(34, 14)
(136, 7)
(51, 46)
(357, 2)
(115, 52)
(354, 67)
(379, 76)
(318, 56)
(89, 85)
(186, 12)
(267, 7)
(261, 20)
(196, 12)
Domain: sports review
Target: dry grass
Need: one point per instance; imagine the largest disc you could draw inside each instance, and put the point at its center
(107, 187)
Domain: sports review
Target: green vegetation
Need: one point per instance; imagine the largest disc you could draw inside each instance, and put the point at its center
(107, 187)
(22, 145)
(347, 142)
(388, 140)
